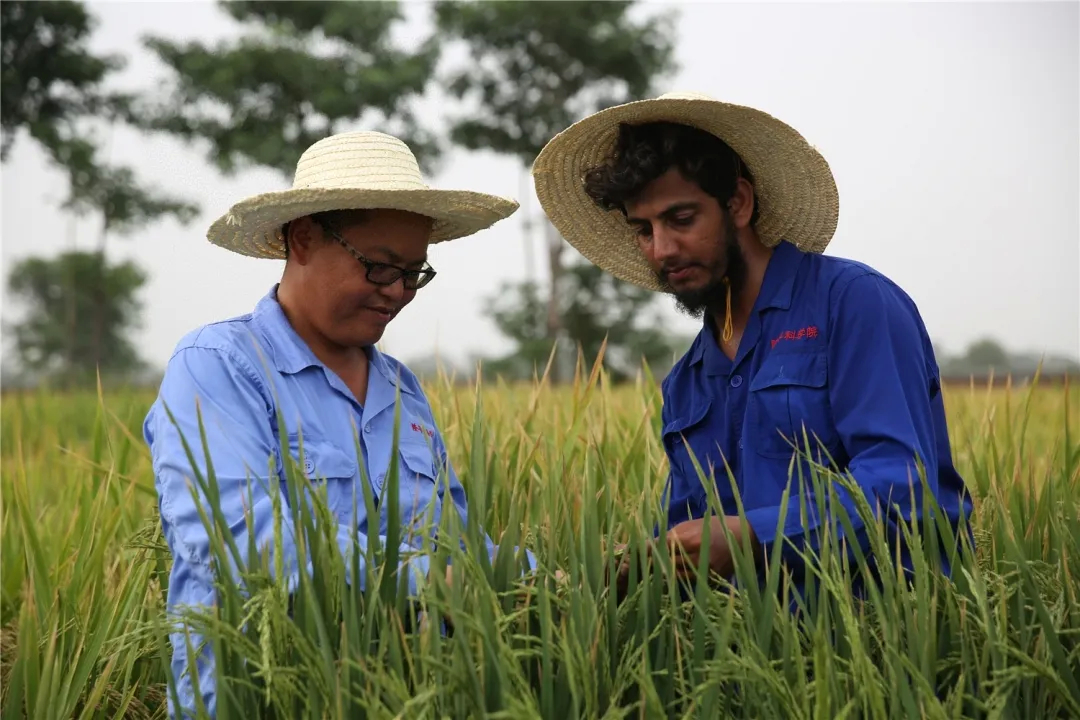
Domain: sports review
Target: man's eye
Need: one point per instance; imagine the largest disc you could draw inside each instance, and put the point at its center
(683, 220)
(643, 231)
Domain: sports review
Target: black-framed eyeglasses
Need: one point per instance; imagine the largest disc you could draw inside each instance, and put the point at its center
(387, 274)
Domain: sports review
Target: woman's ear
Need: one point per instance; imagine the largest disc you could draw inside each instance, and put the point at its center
(302, 236)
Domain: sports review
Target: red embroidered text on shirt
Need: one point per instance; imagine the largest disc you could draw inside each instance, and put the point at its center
(421, 429)
(800, 334)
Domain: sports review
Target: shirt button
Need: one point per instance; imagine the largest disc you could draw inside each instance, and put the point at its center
(367, 428)
(736, 380)
(309, 466)
(378, 480)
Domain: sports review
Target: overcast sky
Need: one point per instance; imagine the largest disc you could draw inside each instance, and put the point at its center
(953, 131)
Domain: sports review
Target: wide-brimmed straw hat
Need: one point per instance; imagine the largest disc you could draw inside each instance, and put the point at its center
(354, 170)
(796, 194)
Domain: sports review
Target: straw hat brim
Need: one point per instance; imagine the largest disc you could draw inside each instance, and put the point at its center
(252, 227)
(796, 193)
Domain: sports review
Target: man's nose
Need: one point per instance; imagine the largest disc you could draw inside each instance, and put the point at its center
(664, 246)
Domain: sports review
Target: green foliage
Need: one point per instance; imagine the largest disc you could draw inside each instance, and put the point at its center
(80, 311)
(987, 353)
(519, 311)
(571, 472)
(53, 88)
(537, 67)
(79, 308)
(301, 71)
(987, 357)
(123, 204)
(600, 308)
(50, 78)
(598, 312)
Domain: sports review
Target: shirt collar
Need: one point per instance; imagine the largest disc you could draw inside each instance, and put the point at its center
(288, 351)
(778, 284)
(382, 365)
(777, 288)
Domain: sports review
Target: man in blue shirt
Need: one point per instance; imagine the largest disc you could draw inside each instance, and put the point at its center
(729, 210)
(354, 231)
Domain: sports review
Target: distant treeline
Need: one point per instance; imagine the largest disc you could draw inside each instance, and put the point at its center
(1002, 379)
(984, 361)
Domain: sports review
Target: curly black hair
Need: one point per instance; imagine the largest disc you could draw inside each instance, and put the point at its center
(645, 152)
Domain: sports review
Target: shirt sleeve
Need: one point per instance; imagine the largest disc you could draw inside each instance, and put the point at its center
(670, 514)
(880, 389)
(240, 428)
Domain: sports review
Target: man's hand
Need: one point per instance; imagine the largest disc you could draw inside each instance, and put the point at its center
(686, 539)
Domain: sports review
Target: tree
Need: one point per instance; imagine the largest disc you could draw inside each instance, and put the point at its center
(594, 307)
(303, 71)
(598, 307)
(81, 309)
(50, 78)
(986, 354)
(536, 68)
(520, 313)
(53, 89)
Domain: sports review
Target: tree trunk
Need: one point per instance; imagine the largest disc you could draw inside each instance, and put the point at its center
(98, 304)
(554, 316)
(527, 226)
(69, 356)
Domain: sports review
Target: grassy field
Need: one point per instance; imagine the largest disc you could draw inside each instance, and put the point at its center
(569, 472)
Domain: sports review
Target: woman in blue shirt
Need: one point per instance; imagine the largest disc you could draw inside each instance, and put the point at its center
(354, 231)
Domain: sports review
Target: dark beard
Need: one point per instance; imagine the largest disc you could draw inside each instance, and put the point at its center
(713, 297)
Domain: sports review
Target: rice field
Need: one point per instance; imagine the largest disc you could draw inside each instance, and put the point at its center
(572, 473)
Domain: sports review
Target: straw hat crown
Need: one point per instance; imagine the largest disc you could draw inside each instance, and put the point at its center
(357, 160)
(354, 170)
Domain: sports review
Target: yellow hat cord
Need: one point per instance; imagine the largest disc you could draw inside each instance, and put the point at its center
(728, 330)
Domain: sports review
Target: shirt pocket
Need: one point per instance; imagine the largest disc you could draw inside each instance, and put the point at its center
(681, 435)
(327, 466)
(417, 490)
(322, 459)
(416, 463)
(789, 396)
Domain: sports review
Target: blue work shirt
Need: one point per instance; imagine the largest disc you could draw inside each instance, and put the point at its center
(831, 348)
(243, 372)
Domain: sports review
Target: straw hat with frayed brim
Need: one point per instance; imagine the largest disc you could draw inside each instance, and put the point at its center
(355, 170)
(796, 194)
